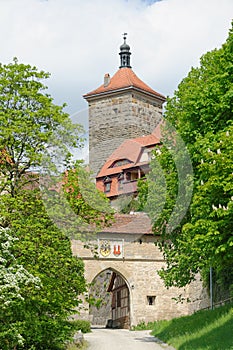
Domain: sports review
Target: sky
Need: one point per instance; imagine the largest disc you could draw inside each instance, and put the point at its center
(78, 41)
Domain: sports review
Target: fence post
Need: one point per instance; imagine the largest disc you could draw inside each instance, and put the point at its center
(211, 288)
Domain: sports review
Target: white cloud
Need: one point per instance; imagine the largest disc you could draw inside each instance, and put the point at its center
(78, 41)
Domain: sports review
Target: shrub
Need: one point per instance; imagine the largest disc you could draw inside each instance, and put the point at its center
(82, 325)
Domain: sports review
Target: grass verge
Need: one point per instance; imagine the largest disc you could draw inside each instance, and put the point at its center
(79, 347)
(204, 330)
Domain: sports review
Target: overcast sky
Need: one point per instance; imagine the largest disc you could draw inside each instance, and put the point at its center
(78, 41)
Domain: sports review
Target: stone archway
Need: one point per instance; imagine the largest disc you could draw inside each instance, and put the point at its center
(109, 294)
(149, 300)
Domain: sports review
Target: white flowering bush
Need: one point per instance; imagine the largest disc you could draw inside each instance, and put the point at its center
(13, 280)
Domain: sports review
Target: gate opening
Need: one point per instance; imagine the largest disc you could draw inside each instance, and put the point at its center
(109, 300)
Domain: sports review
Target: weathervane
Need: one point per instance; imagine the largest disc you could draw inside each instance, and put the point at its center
(124, 36)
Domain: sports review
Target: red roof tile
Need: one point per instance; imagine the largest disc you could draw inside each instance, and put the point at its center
(124, 78)
(148, 140)
(129, 149)
(136, 223)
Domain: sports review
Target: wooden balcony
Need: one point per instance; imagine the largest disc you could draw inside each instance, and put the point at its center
(128, 187)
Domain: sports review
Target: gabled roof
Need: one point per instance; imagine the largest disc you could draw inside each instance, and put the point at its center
(137, 224)
(129, 149)
(124, 79)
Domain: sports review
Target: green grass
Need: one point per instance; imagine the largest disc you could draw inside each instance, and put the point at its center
(81, 347)
(204, 330)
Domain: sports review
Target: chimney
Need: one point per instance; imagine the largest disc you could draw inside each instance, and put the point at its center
(106, 79)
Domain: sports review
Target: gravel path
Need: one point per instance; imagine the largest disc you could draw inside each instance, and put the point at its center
(121, 339)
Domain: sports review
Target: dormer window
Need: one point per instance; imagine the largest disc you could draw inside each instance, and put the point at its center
(146, 155)
(120, 162)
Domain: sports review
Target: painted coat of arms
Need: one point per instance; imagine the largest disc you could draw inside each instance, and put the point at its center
(105, 248)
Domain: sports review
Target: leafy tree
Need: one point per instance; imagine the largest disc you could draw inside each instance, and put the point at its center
(46, 253)
(37, 135)
(44, 230)
(75, 205)
(15, 280)
(34, 131)
(201, 112)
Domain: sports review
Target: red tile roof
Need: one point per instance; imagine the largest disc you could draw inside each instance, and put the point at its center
(136, 223)
(129, 149)
(124, 78)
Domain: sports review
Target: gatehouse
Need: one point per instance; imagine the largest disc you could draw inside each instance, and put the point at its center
(140, 295)
(122, 270)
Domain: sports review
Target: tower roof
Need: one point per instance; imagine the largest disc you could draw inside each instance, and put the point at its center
(123, 79)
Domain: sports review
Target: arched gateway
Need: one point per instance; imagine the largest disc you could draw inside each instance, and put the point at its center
(127, 253)
(110, 296)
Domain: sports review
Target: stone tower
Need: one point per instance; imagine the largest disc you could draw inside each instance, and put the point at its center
(123, 107)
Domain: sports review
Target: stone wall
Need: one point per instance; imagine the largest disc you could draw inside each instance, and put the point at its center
(149, 299)
(115, 118)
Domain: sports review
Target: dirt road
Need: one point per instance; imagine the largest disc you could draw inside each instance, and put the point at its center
(121, 339)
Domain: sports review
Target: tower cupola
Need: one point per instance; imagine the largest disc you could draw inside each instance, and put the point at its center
(125, 53)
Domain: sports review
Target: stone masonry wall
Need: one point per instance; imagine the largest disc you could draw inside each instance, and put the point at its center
(115, 118)
(139, 268)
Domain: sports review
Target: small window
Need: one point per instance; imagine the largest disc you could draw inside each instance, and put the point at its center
(107, 187)
(134, 176)
(150, 299)
(107, 184)
(128, 176)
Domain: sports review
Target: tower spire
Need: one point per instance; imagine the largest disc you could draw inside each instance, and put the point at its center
(125, 53)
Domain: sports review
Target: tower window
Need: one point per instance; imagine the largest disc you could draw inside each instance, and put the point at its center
(150, 299)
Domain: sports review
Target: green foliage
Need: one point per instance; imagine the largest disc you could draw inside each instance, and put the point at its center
(203, 101)
(37, 134)
(81, 346)
(201, 112)
(46, 253)
(82, 325)
(15, 283)
(34, 131)
(204, 330)
(76, 206)
(85, 199)
(129, 203)
(143, 326)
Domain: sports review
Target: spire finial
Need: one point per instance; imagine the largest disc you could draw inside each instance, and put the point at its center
(125, 53)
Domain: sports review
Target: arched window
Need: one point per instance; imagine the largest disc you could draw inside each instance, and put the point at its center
(120, 162)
